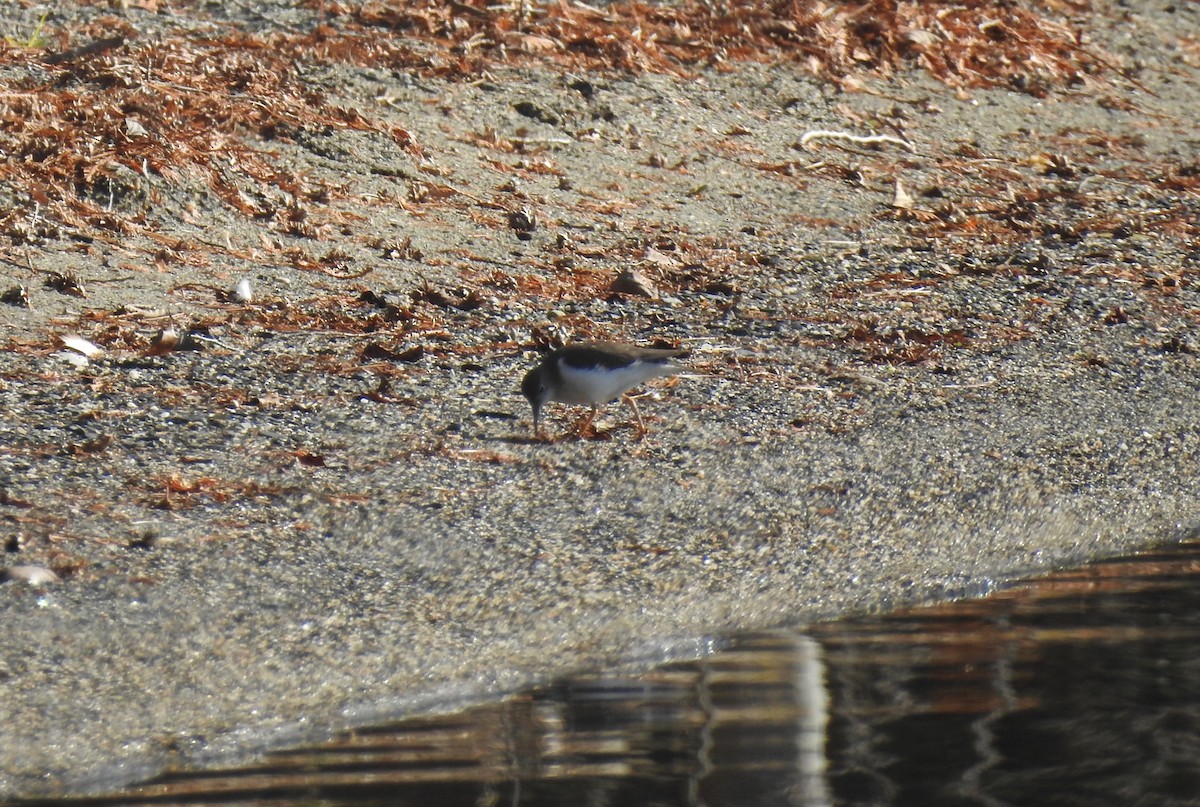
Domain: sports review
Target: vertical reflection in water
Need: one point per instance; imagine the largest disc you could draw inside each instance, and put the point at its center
(1080, 689)
(814, 720)
(739, 728)
(763, 738)
(983, 727)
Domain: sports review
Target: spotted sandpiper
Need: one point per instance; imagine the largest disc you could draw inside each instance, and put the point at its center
(595, 373)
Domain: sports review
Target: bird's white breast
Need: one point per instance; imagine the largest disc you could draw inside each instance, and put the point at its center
(597, 385)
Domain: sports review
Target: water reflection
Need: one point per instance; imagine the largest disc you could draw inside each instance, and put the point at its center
(1082, 688)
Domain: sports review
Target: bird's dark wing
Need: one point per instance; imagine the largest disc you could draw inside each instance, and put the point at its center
(612, 355)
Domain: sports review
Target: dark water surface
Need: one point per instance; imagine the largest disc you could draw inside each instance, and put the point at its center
(1078, 689)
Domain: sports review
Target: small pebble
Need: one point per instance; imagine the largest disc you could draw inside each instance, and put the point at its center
(635, 283)
(242, 292)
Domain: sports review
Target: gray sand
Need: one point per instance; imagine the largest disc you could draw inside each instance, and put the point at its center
(259, 544)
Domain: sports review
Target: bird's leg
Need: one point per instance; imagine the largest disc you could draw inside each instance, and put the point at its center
(637, 416)
(587, 422)
(582, 426)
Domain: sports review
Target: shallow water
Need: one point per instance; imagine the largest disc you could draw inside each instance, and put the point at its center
(1078, 689)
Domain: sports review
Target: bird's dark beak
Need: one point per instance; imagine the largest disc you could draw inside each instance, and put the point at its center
(537, 417)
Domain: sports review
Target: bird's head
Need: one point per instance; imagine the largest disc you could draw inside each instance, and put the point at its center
(534, 388)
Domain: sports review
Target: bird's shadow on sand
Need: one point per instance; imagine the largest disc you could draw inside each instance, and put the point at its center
(570, 435)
